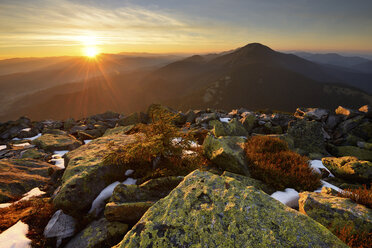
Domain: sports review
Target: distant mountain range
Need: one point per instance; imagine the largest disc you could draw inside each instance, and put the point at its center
(253, 76)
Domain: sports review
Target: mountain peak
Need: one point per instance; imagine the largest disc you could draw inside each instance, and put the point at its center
(256, 47)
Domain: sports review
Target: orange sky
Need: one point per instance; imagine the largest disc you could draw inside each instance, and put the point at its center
(38, 28)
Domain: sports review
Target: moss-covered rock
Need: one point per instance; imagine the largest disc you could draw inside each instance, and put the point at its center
(18, 176)
(129, 202)
(227, 153)
(56, 142)
(35, 154)
(155, 109)
(307, 136)
(349, 168)
(118, 130)
(335, 212)
(248, 121)
(232, 128)
(133, 119)
(100, 233)
(250, 182)
(86, 175)
(360, 153)
(207, 210)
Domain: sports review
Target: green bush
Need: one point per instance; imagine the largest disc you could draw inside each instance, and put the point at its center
(271, 161)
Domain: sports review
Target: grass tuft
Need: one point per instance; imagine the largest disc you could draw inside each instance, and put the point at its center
(361, 195)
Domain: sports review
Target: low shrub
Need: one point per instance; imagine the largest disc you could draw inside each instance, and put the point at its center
(271, 161)
(159, 150)
(361, 195)
(352, 238)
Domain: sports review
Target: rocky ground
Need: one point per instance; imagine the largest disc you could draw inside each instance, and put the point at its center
(78, 199)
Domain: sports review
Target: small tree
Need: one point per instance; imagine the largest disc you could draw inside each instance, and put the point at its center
(160, 146)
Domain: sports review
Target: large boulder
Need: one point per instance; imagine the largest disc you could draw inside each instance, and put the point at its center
(335, 212)
(354, 151)
(349, 168)
(317, 114)
(86, 175)
(18, 176)
(56, 142)
(133, 119)
(207, 210)
(129, 202)
(307, 136)
(227, 153)
(231, 128)
(99, 233)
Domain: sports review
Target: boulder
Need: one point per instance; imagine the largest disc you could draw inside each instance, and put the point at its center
(18, 176)
(335, 212)
(205, 118)
(250, 182)
(35, 154)
(129, 202)
(99, 233)
(207, 210)
(69, 123)
(232, 128)
(227, 153)
(332, 121)
(346, 126)
(248, 121)
(317, 114)
(349, 168)
(346, 112)
(307, 136)
(56, 142)
(60, 226)
(118, 130)
(86, 175)
(133, 119)
(360, 153)
(180, 118)
(367, 110)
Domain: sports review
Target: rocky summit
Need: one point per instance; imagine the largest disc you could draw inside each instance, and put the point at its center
(201, 178)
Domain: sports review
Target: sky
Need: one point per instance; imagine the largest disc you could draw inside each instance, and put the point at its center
(30, 28)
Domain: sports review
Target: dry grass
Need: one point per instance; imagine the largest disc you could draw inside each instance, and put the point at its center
(361, 195)
(273, 163)
(354, 239)
(35, 212)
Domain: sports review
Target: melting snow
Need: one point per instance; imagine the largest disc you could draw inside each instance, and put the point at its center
(99, 202)
(58, 160)
(28, 195)
(225, 120)
(87, 141)
(317, 165)
(130, 181)
(129, 172)
(288, 197)
(34, 137)
(26, 129)
(26, 144)
(15, 236)
(326, 184)
(2, 147)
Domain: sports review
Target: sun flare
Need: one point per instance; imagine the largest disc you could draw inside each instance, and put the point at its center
(91, 52)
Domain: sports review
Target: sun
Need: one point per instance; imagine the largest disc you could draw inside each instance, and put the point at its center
(91, 52)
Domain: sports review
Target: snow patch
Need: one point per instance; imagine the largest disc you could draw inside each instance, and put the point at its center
(317, 165)
(26, 129)
(25, 145)
(2, 147)
(226, 120)
(99, 202)
(87, 141)
(34, 137)
(58, 160)
(326, 184)
(15, 236)
(129, 172)
(33, 192)
(288, 197)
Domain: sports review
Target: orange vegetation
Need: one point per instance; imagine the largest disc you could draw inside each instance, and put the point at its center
(271, 161)
(360, 195)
